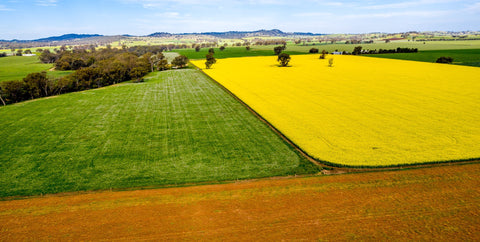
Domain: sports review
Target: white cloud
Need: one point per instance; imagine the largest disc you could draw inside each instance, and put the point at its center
(168, 15)
(399, 14)
(5, 8)
(427, 14)
(475, 8)
(406, 4)
(167, 3)
(47, 3)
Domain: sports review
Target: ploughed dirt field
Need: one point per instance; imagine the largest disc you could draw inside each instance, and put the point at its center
(417, 204)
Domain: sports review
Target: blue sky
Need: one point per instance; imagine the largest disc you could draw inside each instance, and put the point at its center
(34, 19)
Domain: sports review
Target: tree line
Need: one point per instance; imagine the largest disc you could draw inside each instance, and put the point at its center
(92, 69)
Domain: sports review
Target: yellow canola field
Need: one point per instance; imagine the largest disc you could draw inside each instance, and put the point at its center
(363, 111)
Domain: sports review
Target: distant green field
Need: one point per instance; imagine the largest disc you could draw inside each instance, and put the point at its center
(177, 127)
(266, 50)
(460, 57)
(58, 74)
(18, 67)
(229, 52)
(432, 45)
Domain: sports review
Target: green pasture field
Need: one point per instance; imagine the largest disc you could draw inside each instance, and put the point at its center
(18, 67)
(460, 57)
(293, 49)
(229, 52)
(432, 45)
(177, 127)
(58, 74)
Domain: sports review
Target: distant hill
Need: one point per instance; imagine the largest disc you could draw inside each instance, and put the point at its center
(67, 37)
(225, 35)
(257, 33)
(238, 34)
(160, 34)
(243, 34)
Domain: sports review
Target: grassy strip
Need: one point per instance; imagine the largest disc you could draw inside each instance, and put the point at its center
(469, 57)
(233, 52)
(175, 128)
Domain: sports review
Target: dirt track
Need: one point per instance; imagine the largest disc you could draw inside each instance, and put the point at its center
(428, 203)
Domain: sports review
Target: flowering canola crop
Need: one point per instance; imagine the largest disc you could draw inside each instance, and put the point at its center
(363, 111)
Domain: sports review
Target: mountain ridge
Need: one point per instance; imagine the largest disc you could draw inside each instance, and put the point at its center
(226, 34)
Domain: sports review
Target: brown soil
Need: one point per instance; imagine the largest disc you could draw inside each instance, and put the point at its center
(438, 203)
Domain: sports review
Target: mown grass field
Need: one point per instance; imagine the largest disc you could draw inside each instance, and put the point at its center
(431, 204)
(363, 111)
(177, 127)
(466, 57)
(18, 67)
(229, 52)
(432, 45)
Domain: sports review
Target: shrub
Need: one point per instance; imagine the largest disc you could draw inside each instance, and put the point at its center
(443, 59)
(313, 50)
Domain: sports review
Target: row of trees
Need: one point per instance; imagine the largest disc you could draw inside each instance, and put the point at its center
(93, 69)
(358, 50)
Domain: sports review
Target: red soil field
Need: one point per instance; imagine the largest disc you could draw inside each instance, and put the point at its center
(438, 203)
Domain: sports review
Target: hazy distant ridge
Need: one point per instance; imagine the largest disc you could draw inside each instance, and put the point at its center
(238, 34)
(67, 37)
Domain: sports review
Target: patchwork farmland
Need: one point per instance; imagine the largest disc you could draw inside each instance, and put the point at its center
(178, 127)
(362, 111)
(177, 157)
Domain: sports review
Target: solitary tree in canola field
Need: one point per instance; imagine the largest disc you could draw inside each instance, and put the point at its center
(210, 60)
(283, 58)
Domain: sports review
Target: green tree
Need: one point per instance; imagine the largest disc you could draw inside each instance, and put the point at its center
(357, 50)
(14, 91)
(222, 48)
(180, 61)
(278, 50)
(210, 60)
(162, 63)
(283, 58)
(37, 84)
(1, 99)
(48, 57)
(247, 48)
(211, 51)
(446, 60)
(197, 48)
(19, 52)
(153, 60)
(322, 56)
